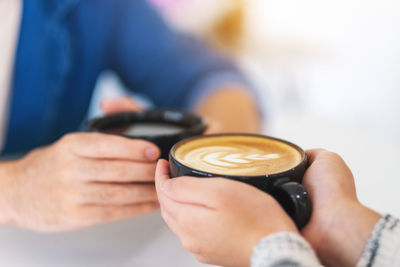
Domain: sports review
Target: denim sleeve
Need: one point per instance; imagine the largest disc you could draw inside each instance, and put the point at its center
(172, 69)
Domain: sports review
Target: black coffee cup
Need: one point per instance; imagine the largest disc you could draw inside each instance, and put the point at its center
(162, 127)
(285, 186)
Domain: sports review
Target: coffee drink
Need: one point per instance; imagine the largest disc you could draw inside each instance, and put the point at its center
(272, 165)
(238, 155)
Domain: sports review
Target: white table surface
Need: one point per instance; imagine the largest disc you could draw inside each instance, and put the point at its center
(143, 242)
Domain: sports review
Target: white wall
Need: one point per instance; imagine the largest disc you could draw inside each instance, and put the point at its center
(342, 56)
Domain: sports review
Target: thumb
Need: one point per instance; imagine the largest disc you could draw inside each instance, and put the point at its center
(162, 175)
(110, 106)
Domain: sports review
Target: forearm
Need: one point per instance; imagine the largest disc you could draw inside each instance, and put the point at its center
(233, 108)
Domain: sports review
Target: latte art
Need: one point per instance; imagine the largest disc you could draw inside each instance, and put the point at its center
(228, 158)
(238, 155)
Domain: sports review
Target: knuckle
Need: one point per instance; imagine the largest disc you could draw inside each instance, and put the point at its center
(69, 171)
(334, 157)
(68, 138)
(318, 150)
(332, 154)
(69, 142)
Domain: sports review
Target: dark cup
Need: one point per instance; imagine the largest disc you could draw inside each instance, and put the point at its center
(159, 126)
(284, 186)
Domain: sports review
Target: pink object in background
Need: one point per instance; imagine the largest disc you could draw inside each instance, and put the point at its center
(165, 4)
(193, 16)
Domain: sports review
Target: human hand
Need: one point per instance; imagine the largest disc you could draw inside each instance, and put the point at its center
(340, 225)
(213, 127)
(230, 109)
(123, 104)
(81, 180)
(219, 220)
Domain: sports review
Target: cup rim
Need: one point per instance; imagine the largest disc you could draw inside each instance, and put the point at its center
(210, 174)
(99, 124)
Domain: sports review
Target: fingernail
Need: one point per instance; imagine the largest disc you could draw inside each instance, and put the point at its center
(152, 153)
(167, 185)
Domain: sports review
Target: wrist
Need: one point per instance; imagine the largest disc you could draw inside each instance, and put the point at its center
(6, 193)
(347, 234)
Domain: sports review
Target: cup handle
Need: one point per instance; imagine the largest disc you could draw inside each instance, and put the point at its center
(294, 199)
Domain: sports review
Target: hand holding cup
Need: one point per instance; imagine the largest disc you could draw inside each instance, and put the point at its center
(217, 219)
(81, 180)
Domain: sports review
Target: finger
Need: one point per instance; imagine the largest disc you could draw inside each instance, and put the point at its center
(182, 218)
(162, 174)
(118, 194)
(328, 173)
(115, 171)
(169, 207)
(325, 158)
(110, 106)
(205, 192)
(106, 146)
(312, 154)
(93, 214)
(168, 214)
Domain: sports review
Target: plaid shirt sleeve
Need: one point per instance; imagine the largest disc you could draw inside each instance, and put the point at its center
(283, 250)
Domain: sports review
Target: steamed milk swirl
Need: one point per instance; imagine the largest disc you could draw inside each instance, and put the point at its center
(238, 155)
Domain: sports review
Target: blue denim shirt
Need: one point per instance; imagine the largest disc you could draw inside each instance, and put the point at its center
(65, 44)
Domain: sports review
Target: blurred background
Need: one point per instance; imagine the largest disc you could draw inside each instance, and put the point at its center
(328, 74)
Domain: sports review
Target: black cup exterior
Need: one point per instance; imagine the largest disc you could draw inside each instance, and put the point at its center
(193, 126)
(284, 186)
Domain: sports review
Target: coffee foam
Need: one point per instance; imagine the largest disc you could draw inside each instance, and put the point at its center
(238, 155)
